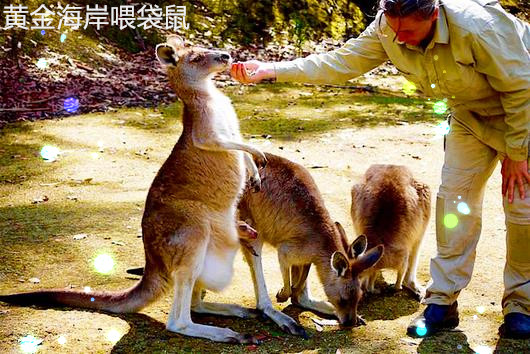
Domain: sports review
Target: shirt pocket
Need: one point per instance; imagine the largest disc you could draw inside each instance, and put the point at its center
(460, 80)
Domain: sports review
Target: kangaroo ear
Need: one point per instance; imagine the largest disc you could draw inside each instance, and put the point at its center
(339, 263)
(358, 247)
(368, 259)
(166, 54)
(341, 230)
(342, 233)
(175, 41)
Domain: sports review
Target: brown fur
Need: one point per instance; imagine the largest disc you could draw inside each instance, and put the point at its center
(391, 208)
(189, 226)
(289, 213)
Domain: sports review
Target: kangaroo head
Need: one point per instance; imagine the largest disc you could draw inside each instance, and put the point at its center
(190, 67)
(344, 291)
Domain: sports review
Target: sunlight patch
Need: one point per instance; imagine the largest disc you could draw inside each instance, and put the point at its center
(104, 263)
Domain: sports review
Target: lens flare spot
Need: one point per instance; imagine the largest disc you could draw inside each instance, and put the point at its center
(481, 309)
(87, 289)
(113, 336)
(442, 128)
(450, 221)
(439, 107)
(435, 57)
(433, 85)
(49, 153)
(104, 264)
(421, 330)
(42, 63)
(92, 299)
(463, 208)
(409, 88)
(459, 347)
(43, 32)
(29, 344)
(61, 340)
(63, 37)
(71, 104)
(94, 155)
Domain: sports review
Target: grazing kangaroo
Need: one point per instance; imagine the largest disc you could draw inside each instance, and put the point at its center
(189, 226)
(391, 208)
(289, 213)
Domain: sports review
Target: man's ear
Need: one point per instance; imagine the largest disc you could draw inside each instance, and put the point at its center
(166, 54)
(339, 263)
(435, 13)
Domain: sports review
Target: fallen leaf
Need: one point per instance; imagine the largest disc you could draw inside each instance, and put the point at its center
(119, 243)
(39, 200)
(323, 322)
(79, 236)
(34, 280)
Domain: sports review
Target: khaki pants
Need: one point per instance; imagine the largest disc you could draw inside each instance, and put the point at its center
(473, 148)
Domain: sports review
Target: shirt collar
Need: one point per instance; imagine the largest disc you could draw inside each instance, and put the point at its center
(441, 33)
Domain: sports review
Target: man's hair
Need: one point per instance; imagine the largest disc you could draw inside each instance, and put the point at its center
(403, 8)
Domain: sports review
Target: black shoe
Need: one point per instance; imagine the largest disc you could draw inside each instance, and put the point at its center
(434, 318)
(516, 325)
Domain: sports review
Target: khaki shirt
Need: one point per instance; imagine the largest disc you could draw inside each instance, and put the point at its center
(478, 60)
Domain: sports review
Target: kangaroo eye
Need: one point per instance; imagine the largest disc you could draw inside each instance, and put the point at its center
(196, 58)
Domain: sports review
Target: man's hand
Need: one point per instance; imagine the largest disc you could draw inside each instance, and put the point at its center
(514, 172)
(253, 71)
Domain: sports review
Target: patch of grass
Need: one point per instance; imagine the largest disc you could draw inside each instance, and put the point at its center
(287, 111)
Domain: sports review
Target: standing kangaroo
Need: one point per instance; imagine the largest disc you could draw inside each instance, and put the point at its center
(289, 213)
(391, 208)
(189, 227)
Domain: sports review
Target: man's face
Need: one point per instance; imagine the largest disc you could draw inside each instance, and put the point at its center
(412, 29)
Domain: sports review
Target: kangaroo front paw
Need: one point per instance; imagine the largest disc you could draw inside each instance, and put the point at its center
(283, 295)
(246, 232)
(295, 329)
(255, 183)
(417, 291)
(260, 160)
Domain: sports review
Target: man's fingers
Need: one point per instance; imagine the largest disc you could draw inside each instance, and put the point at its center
(520, 184)
(511, 187)
(504, 185)
(243, 73)
(233, 71)
(527, 177)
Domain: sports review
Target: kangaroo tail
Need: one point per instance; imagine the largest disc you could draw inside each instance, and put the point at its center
(148, 289)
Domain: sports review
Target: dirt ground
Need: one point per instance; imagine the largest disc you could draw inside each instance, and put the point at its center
(37, 241)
